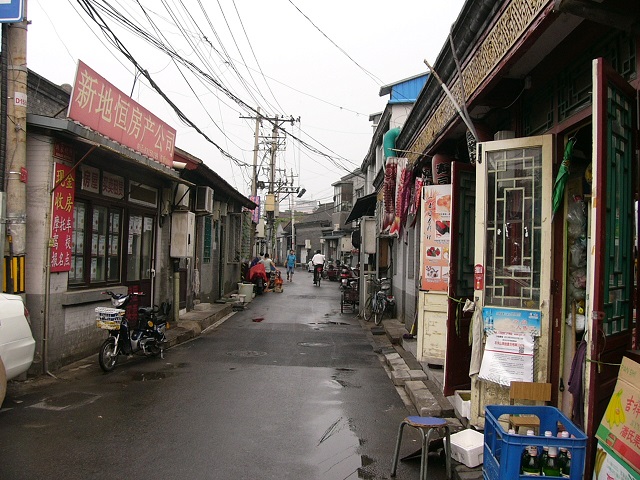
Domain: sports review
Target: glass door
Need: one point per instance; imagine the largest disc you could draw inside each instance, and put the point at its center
(513, 248)
(140, 242)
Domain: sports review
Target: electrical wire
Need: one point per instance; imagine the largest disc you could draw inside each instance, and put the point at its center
(335, 159)
(369, 74)
(113, 38)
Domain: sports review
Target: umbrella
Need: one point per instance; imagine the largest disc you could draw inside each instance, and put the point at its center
(563, 175)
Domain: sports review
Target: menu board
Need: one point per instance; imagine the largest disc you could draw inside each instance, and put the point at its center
(435, 238)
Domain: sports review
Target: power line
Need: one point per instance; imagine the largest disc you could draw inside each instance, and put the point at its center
(369, 74)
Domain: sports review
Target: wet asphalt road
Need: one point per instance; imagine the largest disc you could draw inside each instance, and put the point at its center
(298, 395)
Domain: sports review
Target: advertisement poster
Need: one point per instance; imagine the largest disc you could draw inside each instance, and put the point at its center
(507, 357)
(435, 238)
(62, 220)
(513, 320)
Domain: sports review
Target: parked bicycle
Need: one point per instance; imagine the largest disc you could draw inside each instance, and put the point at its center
(379, 301)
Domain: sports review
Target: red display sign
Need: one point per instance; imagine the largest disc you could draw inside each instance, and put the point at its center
(478, 277)
(101, 106)
(62, 220)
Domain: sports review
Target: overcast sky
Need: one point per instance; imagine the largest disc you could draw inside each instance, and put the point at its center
(321, 61)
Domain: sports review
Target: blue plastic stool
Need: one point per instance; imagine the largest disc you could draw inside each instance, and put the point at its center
(426, 425)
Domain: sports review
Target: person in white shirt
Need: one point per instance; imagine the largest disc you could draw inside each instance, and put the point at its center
(318, 263)
(268, 263)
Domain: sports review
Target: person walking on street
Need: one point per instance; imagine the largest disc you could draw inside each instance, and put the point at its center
(318, 264)
(291, 265)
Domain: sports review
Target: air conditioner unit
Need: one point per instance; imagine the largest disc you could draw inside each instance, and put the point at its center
(204, 200)
(223, 209)
(181, 200)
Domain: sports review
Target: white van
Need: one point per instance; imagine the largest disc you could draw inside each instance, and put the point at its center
(17, 345)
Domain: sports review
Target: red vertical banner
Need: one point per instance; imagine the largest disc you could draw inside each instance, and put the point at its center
(64, 180)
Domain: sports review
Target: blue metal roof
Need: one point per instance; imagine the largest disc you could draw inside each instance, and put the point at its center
(405, 91)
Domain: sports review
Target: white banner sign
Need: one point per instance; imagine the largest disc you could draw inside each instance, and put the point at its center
(507, 357)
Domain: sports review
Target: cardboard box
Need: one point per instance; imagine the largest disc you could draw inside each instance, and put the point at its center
(619, 429)
(609, 466)
(462, 403)
(467, 447)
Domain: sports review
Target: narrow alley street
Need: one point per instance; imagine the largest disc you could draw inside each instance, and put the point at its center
(289, 388)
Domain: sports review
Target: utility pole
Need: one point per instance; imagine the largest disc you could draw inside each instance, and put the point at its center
(293, 219)
(256, 142)
(271, 201)
(16, 152)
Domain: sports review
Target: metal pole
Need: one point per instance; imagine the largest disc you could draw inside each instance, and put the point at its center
(254, 183)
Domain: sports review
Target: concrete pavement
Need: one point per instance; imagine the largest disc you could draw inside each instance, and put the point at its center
(417, 388)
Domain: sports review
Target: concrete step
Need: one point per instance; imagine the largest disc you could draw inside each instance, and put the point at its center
(201, 307)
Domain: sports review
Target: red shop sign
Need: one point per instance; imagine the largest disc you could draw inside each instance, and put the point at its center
(62, 220)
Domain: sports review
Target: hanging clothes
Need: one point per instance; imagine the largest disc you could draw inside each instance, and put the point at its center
(576, 383)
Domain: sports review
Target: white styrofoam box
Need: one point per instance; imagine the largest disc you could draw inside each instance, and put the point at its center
(462, 403)
(467, 447)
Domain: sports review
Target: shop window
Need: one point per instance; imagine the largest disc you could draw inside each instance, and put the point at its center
(235, 240)
(140, 247)
(96, 244)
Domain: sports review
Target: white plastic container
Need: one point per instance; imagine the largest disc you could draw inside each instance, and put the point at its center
(467, 447)
(247, 290)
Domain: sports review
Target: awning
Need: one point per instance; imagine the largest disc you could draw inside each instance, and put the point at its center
(364, 206)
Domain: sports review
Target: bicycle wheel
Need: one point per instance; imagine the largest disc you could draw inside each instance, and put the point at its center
(378, 311)
(367, 310)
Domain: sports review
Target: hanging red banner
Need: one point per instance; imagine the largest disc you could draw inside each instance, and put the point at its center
(62, 219)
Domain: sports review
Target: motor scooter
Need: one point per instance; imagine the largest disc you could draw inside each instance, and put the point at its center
(148, 337)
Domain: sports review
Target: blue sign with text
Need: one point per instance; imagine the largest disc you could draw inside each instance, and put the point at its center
(11, 11)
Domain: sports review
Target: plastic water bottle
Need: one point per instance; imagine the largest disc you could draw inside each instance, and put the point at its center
(530, 462)
(551, 467)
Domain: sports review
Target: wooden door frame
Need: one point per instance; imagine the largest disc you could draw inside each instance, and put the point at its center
(601, 376)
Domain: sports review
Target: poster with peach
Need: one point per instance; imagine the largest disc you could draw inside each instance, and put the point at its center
(435, 238)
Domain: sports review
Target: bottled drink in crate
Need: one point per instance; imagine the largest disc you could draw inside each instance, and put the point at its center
(530, 464)
(545, 448)
(565, 458)
(551, 466)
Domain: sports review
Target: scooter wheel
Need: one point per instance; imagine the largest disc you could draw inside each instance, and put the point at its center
(108, 356)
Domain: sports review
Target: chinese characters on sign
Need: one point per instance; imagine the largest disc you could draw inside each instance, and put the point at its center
(62, 220)
(507, 357)
(511, 320)
(99, 105)
(436, 238)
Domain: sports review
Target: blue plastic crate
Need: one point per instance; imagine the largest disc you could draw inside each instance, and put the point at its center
(503, 451)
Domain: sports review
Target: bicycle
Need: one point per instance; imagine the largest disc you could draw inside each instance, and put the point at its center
(317, 274)
(378, 300)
